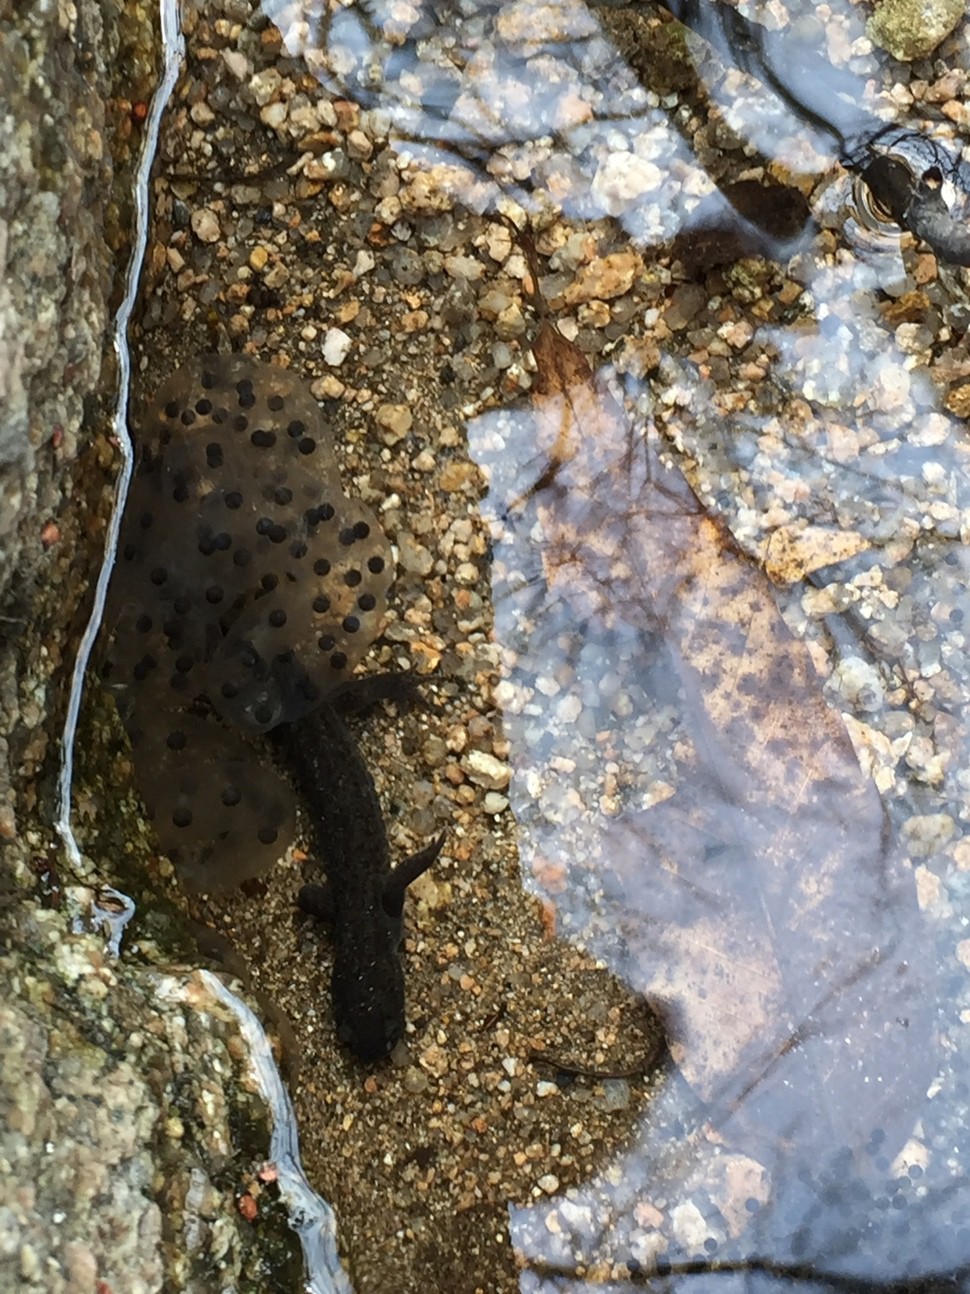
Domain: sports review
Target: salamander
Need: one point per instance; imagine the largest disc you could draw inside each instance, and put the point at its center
(364, 895)
(919, 178)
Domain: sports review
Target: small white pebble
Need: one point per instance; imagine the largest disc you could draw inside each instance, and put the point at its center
(237, 63)
(395, 421)
(265, 85)
(569, 709)
(336, 346)
(359, 146)
(273, 115)
(464, 267)
(621, 179)
(413, 556)
(485, 770)
(205, 225)
(435, 1060)
(467, 573)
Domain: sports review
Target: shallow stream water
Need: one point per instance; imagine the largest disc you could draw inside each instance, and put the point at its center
(715, 402)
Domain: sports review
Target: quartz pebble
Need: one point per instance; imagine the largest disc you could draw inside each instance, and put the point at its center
(485, 770)
(336, 346)
(205, 225)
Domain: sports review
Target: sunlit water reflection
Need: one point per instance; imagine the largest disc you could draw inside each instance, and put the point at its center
(685, 798)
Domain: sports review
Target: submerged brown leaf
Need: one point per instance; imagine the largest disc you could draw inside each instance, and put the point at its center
(763, 906)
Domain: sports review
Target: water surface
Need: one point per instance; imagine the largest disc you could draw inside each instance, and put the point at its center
(721, 430)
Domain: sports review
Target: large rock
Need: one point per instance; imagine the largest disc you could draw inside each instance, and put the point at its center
(912, 29)
(120, 1100)
(56, 271)
(120, 1111)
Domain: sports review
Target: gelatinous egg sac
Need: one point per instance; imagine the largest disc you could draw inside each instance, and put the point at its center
(247, 586)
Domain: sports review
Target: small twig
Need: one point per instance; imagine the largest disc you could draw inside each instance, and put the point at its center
(642, 1066)
(493, 1019)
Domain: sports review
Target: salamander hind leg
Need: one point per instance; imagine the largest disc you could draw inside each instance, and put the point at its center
(401, 877)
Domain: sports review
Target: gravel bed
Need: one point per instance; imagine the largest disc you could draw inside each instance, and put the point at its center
(357, 236)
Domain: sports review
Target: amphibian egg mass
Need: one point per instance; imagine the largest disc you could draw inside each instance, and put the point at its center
(247, 587)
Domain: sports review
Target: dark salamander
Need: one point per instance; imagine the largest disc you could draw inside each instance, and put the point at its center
(364, 896)
(921, 180)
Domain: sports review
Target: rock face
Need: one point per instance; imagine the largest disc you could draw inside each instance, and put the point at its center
(55, 271)
(113, 1123)
(912, 29)
(55, 276)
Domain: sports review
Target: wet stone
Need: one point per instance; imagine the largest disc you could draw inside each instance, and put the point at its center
(247, 584)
